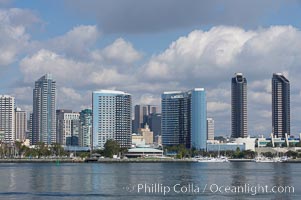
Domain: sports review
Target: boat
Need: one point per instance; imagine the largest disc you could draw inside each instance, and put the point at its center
(212, 159)
(262, 159)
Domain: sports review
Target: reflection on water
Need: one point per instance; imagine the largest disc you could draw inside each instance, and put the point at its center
(239, 171)
(110, 181)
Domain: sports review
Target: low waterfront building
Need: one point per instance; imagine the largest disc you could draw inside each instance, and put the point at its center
(277, 142)
(232, 144)
(214, 147)
(248, 142)
(144, 152)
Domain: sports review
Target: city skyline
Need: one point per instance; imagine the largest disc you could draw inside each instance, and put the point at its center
(153, 109)
(87, 50)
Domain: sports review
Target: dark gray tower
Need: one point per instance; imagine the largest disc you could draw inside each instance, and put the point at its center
(239, 106)
(280, 105)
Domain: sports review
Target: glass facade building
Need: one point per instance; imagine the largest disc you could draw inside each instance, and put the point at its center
(111, 118)
(85, 131)
(44, 113)
(280, 105)
(239, 124)
(184, 118)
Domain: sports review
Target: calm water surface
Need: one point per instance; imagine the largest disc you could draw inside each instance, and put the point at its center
(146, 180)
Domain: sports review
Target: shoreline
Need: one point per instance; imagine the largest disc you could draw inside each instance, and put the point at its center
(113, 160)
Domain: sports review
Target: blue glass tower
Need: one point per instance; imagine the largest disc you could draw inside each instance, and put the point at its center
(198, 118)
(184, 118)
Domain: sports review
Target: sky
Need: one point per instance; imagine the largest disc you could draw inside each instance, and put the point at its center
(148, 47)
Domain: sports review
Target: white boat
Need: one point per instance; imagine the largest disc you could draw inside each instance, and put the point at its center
(211, 159)
(263, 159)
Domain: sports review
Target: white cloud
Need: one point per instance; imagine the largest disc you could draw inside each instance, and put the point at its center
(217, 106)
(199, 54)
(14, 39)
(260, 97)
(76, 42)
(149, 99)
(68, 71)
(121, 51)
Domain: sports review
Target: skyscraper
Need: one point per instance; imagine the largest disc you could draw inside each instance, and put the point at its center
(111, 118)
(239, 106)
(184, 118)
(20, 124)
(85, 131)
(44, 104)
(154, 122)
(140, 111)
(210, 129)
(280, 105)
(142, 114)
(7, 118)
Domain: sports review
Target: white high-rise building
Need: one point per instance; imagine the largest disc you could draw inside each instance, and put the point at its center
(20, 124)
(210, 129)
(111, 118)
(7, 118)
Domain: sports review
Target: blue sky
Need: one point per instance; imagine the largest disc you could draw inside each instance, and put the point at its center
(147, 47)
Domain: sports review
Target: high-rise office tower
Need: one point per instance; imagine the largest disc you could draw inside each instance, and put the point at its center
(239, 106)
(280, 105)
(44, 104)
(7, 118)
(142, 114)
(85, 131)
(152, 109)
(154, 122)
(184, 118)
(67, 127)
(210, 129)
(20, 124)
(140, 111)
(111, 118)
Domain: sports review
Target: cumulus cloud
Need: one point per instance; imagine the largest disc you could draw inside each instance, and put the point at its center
(14, 38)
(76, 42)
(68, 71)
(121, 51)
